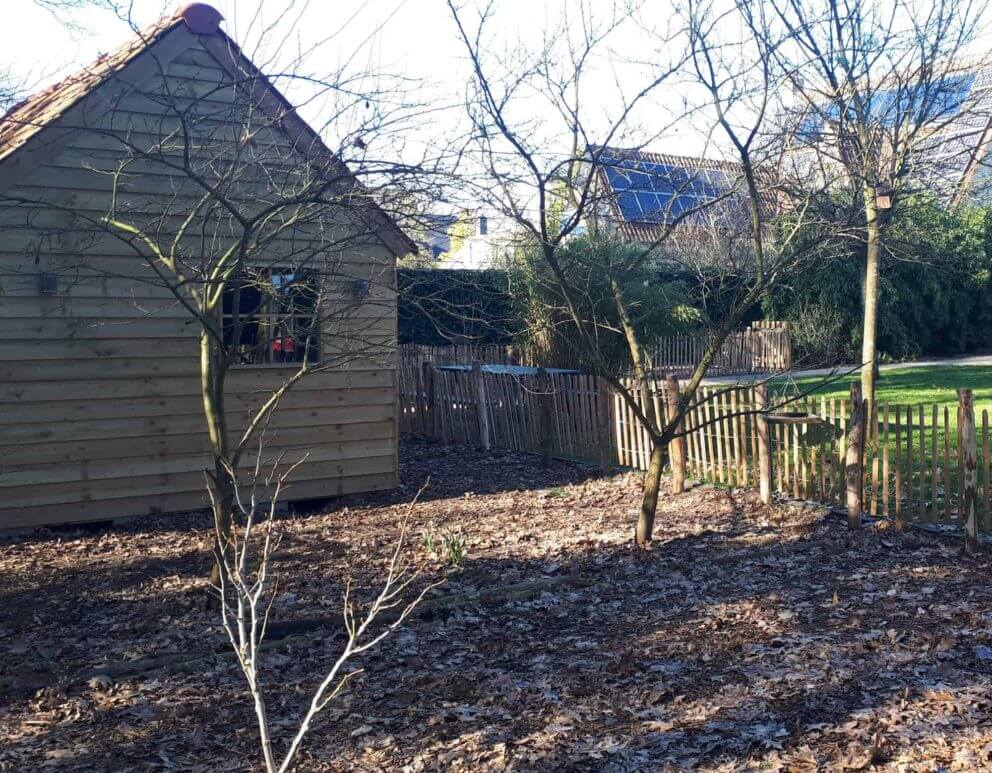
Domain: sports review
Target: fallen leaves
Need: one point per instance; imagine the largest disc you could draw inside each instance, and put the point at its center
(747, 637)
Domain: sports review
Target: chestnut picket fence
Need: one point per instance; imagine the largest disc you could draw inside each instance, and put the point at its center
(913, 461)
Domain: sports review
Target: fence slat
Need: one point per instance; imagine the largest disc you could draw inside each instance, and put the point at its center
(986, 493)
(923, 464)
(885, 459)
(934, 466)
(900, 523)
(716, 411)
(947, 464)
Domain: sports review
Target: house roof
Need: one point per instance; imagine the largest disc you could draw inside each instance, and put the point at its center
(954, 107)
(31, 116)
(647, 193)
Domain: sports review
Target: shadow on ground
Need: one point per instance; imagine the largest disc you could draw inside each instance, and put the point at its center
(746, 636)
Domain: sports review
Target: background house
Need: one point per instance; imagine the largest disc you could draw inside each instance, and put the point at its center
(472, 239)
(436, 238)
(952, 109)
(101, 414)
(690, 209)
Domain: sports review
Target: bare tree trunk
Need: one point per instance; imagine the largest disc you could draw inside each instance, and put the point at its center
(223, 500)
(637, 355)
(677, 449)
(969, 467)
(854, 463)
(221, 478)
(869, 343)
(659, 447)
(652, 485)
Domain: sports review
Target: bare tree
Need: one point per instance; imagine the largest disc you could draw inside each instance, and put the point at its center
(886, 101)
(545, 176)
(190, 185)
(246, 588)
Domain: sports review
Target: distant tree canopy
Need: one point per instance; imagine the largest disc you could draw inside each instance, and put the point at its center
(438, 307)
(933, 295)
(658, 304)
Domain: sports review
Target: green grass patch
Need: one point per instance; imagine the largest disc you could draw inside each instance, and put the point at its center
(936, 384)
(930, 487)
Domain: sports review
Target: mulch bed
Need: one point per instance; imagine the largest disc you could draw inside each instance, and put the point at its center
(745, 637)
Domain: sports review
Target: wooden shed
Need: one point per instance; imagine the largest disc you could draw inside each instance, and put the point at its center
(101, 415)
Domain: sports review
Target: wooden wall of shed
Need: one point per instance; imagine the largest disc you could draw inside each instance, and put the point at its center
(100, 415)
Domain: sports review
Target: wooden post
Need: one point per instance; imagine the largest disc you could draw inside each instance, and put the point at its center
(960, 460)
(604, 429)
(479, 387)
(786, 345)
(544, 416)
(430, 409)
(764, 444)
(677, 446)
(854, 461)
(968, 459)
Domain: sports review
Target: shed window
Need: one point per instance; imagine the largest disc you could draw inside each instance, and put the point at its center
(271, 317)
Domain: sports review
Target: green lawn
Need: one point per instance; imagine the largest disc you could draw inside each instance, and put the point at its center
(915, 386)
(929, 470)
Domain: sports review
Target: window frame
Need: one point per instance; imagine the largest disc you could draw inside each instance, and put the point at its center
(267, 317)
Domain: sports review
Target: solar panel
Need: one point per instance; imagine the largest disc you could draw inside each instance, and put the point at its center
(671, 179)
(618, 181)
(650, 204)
(625, 178)
(650, 192)
(680, 204)
(889, 107)
(629, 208)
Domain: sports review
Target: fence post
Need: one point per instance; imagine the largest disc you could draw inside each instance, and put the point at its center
(429, 418)
(786, 346)
(854, 461)
(677, 445)
(479, 384)
(604, 428)
(764, 444)
(968, 458)
(544, 411)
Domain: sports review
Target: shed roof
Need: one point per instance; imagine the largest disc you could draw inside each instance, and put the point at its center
(33, 115)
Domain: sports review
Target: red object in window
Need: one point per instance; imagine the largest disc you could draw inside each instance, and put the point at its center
(285, 346)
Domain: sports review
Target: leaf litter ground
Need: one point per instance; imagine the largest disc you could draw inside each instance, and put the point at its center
(746, 637)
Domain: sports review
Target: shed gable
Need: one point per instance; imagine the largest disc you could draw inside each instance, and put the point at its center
(102, 415)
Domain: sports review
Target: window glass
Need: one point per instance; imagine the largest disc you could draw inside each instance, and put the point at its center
(271, 317)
